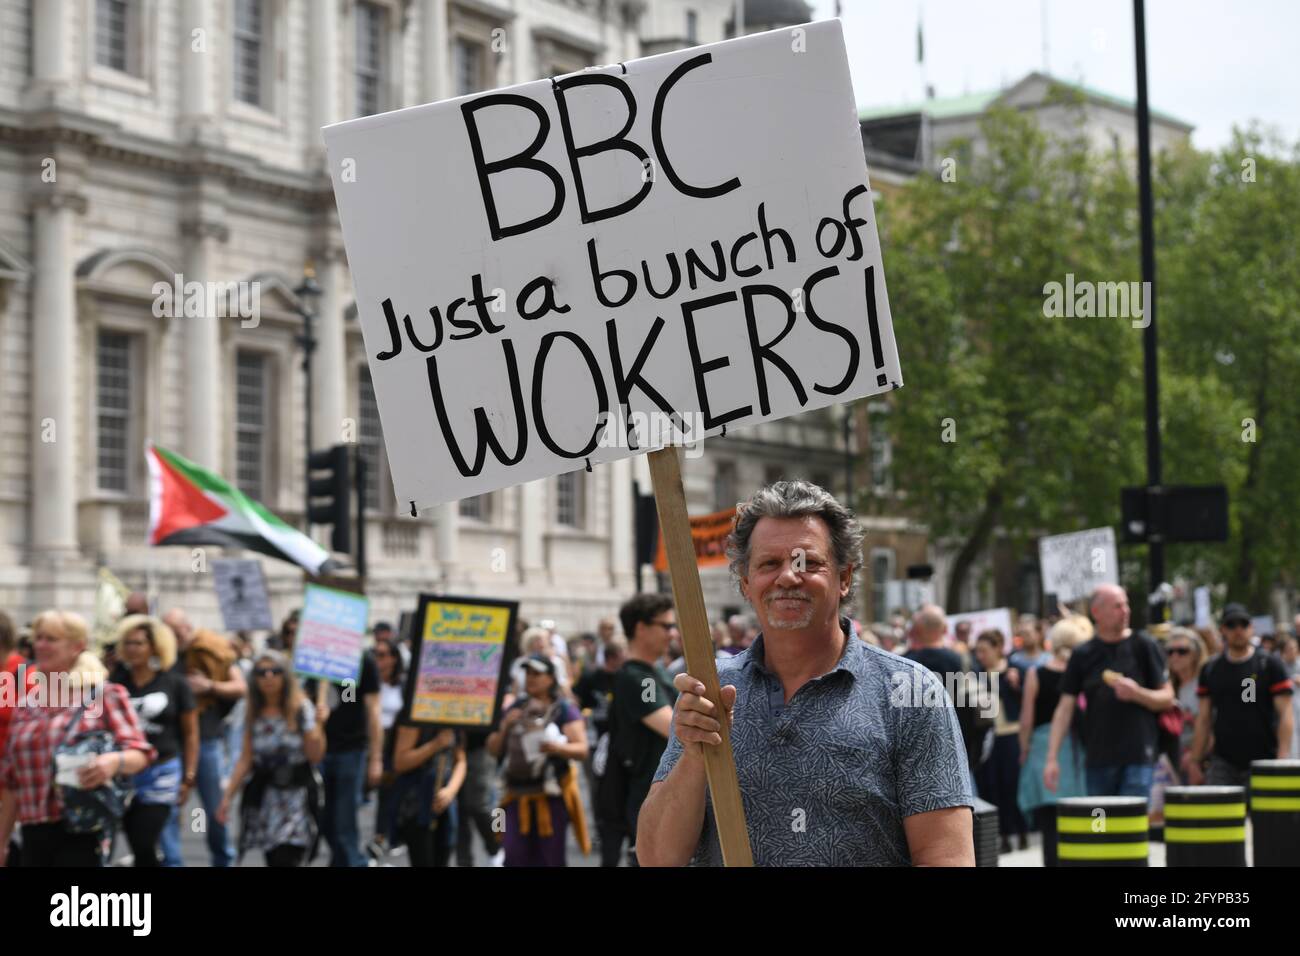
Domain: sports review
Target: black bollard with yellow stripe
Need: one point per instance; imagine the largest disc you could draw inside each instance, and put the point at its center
(1205, 826)
(1275, 811)
(1101, 831)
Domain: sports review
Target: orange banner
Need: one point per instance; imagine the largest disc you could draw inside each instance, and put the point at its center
(709, 532)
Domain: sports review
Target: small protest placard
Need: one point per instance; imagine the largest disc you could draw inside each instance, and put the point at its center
(996, 619)
(331, 634)
(1074, 564)
(462, 651)
(709, 532)
(241, 592)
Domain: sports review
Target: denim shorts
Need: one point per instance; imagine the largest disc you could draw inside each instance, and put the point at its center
(159, 784)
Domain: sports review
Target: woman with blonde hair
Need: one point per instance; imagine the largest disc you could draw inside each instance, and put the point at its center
(1186, 654)
(284, 737)
(1042, 692)
(75, 733)
(164, 702)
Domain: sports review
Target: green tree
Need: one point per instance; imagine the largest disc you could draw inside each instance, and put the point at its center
(1229, 278)
(1047, 410)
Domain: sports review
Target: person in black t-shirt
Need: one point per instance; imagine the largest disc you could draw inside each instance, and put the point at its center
(1126, 682)
(640, 713)
(162, 699)
(929, 625)
(354, 726)
(1245, 697)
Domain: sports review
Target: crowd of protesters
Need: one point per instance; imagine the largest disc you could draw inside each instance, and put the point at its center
(163, 712)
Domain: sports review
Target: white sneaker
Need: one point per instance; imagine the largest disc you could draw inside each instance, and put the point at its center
(498, 858)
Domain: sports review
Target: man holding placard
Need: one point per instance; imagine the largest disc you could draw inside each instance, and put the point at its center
(835, 769)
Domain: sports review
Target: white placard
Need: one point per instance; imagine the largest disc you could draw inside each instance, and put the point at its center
(1201, 596)
(1074, 564)
(241, 592)
(543, 269)
(998, 618)
(1263, 625)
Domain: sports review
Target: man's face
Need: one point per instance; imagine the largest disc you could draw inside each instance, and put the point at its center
(1238, 633)
(181, 627)
(793, 582)
(1110, 611)
(657, 634)
(963, 632)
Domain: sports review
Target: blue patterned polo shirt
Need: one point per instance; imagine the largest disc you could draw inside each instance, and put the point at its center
(827, 778)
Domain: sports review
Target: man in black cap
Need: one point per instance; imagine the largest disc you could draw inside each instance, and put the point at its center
(1245, 697)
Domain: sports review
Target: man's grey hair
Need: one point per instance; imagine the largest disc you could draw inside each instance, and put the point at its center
(796, 499)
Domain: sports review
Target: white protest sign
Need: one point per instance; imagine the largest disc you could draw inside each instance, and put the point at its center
(1202, 599)
(995, 619)
(550, 274)
(241, 593)
(1263, 624)
(1074, 564)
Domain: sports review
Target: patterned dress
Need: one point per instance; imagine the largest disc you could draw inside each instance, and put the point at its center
(284, 817)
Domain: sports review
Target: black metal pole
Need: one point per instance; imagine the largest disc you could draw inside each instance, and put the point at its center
(848, 456)
(636, 536)
(308, 344)
(1156, 546)
(361, 514)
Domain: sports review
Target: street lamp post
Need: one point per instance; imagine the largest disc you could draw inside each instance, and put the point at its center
(308, 293)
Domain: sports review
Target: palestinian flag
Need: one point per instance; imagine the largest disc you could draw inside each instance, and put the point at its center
(190, 505)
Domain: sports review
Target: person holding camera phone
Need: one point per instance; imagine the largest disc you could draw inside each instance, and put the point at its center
(77, 704)
(283, 738)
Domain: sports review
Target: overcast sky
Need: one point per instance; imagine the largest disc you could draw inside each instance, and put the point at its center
(1211, 63)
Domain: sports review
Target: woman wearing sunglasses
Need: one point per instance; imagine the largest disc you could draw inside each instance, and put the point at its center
(146, 653)
(283, 739)
(1186, 654)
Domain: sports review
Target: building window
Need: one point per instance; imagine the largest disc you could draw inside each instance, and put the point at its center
(478, 507)
(882, 572)
(372, 27)
(467, 66)
(114, 374)
(371, 438)
(568, 499)
(724, 486)
(115, 35)
(692, 27)
(250, 42)
(251, 380)
(881, 449)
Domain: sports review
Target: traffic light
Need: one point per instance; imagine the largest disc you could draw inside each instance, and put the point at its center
(331, 501)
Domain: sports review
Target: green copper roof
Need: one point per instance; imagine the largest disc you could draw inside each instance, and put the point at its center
(973, 103)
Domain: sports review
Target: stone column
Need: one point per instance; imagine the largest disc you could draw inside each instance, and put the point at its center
(447, 535)
(436, 81)
(329, 389)
(621, 519)
(532, 530)
(196, 120)
(520, 37)
(204, 413)
(55, 386)
(325, 73)
(52, 72)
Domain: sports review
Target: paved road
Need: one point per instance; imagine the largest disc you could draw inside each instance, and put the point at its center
(194, 849)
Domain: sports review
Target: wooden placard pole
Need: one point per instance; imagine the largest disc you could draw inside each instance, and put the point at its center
(697, 643)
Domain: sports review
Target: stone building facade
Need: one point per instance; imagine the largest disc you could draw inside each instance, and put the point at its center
(146, 144)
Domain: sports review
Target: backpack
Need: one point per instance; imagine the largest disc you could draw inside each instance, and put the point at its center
(523, 772)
